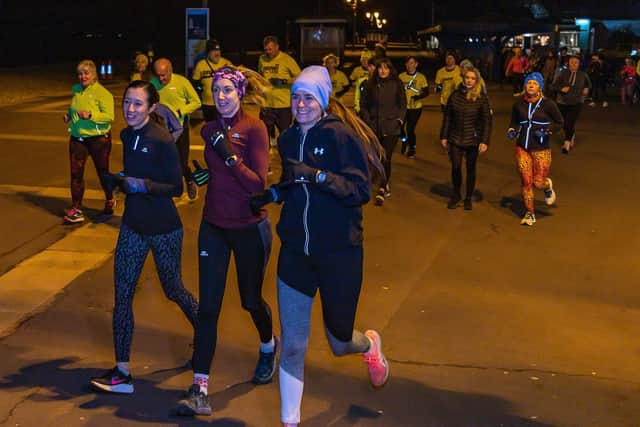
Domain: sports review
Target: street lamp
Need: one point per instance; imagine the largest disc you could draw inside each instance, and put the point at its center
(354, 6)
(375, 19)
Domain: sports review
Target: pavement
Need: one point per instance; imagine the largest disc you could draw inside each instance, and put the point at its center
(485, 322)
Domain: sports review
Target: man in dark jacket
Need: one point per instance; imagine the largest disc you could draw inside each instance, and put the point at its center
(571, 86)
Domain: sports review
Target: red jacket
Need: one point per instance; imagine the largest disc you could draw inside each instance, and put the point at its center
(518, 65)
(227, 200)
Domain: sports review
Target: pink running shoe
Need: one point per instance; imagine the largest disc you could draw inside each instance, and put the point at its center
(375, 360)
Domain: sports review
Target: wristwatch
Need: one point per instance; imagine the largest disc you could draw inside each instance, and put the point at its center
(231, 161)
(321, 177)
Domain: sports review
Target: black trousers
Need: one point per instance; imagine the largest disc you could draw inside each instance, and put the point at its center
(570, 113)
(413, 115)
(389, 143)
(183, 144)
(276, 118)
(456, 153)
(251, 247)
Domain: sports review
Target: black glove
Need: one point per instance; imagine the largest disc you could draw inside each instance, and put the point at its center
(222, 146)
(300, 172)
(416, 97)
(512, 133)
(200, 175)
(278, 82)
(439, 88)
(260, 199)
(113, 181)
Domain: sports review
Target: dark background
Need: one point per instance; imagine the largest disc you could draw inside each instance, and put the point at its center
(36, 32)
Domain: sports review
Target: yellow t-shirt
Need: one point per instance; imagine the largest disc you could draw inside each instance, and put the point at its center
(339, 81)
(358, 73)
(281, 67)
(413, 85)
(449, 81)
(204, 73)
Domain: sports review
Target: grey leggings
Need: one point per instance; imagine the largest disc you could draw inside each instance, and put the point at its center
(295, 318)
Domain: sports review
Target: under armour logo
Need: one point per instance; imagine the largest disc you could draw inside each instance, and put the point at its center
(145, 150)
(318, 151)
(204, 253)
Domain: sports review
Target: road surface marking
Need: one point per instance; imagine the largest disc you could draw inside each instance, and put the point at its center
(57, 138)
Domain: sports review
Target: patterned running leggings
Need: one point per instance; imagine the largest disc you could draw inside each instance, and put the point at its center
(131, 253)
(534, 168)
(99, 148)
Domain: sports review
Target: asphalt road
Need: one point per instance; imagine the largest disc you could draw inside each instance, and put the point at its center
(485, 322)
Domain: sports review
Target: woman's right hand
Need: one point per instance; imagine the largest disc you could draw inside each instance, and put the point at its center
(66, 118)
(444, 143)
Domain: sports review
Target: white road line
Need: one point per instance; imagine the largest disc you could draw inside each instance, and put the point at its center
(52, 138)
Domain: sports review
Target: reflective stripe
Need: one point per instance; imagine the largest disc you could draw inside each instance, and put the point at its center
(305, 213)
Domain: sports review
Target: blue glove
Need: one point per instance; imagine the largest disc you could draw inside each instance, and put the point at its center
(131, 185)
(200, 175)
(300, 172)
(512, 133)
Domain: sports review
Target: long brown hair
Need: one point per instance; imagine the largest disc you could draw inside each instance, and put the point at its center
(474, 93)
(370, 142)
(258, 85)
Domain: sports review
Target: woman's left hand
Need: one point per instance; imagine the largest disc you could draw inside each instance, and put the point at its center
(482, 148)
(84, 115)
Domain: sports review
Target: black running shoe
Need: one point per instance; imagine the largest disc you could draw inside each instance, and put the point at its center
(468, 205)
(379, 200)
(113, 381)
(266, 367)
(453, 202)
(411, 153)
(195, 403)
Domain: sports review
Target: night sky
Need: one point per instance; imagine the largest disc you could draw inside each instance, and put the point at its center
(53, 31)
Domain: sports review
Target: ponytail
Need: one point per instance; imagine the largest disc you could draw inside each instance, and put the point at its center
(368, 139)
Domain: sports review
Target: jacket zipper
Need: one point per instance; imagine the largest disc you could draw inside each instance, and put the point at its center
(305, 214)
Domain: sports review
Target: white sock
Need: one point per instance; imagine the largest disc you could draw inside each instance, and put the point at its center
(123, 367)
(203, 381)
(268, 347)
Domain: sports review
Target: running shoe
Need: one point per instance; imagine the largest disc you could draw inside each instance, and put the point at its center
(468, 205)
(375, 360)
(403, 150)
(194, 403)
(379, 201)
(113, 381)
(74, 216)
(528, 219)
(290, 425)
(592, 104)
(266, 367)
(411, 153)
(549, 194)
(605, 104)
(453, 202)
(566, 147)
(192, 190)
(387, 191)
(108, 206)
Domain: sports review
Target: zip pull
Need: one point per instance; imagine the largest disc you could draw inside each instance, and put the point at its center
(135, 144)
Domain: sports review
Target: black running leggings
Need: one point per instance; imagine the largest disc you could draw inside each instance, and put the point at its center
(413, 115)
(251, 248)
(570, 114)
(456, 153)
(184, 145)
(131, 253)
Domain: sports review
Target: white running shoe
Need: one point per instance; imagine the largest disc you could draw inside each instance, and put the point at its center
(549, 194)
(528, 219)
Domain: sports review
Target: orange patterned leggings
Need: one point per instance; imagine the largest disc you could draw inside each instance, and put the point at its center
(533, 167)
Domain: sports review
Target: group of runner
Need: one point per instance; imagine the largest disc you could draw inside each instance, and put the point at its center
(331, 158)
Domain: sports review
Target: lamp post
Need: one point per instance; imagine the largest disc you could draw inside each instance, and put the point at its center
(376, 20)
(354, 6)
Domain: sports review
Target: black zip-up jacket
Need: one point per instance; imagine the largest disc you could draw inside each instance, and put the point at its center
(466, 123)
(576, 81)
(533, 121)
(151, 154)
(322, 218)
(383, 105)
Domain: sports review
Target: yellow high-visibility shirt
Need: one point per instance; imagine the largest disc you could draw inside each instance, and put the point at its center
(204, 73)
(449, 79)
(281, 67)
(414, 85)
